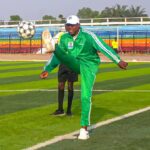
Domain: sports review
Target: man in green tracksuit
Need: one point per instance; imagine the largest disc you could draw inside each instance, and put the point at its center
(78, 50)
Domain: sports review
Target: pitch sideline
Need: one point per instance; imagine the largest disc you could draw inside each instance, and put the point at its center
(72, 135)
(55, 90)
(45, 60)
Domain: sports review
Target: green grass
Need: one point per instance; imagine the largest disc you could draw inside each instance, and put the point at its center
(25, 117)
(127, 134)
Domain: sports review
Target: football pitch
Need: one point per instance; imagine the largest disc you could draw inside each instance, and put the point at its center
(26, 103)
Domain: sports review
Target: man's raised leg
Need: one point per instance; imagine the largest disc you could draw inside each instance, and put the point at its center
(66, 59)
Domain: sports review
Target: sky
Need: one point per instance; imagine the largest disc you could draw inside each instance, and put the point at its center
(36, 9)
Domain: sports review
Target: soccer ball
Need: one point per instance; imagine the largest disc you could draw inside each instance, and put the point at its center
(26, 29)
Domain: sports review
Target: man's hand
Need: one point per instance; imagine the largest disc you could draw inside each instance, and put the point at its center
(44, 75)
(122, 64)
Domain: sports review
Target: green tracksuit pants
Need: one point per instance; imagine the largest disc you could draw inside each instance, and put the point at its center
(88, 74)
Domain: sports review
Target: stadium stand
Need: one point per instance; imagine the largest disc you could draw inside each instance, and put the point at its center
(131, 38)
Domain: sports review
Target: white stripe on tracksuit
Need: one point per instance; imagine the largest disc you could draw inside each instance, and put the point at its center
(102, 46)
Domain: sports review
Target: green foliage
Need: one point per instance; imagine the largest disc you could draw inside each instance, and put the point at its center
(48, 17)
(123, 11)
(15, 18)
(87, 13)
(137, 11)
(60, 16)
(114, 11)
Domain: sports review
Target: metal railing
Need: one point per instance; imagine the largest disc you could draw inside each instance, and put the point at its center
(88, 21)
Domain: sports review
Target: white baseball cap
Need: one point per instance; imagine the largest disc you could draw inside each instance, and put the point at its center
(72, 20)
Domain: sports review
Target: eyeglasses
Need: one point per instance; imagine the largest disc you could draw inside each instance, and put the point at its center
(68, 24)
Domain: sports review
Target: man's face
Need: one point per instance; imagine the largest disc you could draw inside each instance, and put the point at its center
(72, 29)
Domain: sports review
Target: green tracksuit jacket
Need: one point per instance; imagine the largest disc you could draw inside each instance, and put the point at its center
(80, 55)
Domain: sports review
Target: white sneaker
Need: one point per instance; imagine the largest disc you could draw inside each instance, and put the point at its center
(84, 134)
(48, 41)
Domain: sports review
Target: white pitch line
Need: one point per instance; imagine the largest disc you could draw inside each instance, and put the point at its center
(119, 118)
(43, 60)
(73, 134)
(31, 90)
(26, 60)
(55, 90)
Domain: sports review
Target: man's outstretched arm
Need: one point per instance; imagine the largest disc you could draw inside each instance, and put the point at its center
(50, 65)
(109, 52)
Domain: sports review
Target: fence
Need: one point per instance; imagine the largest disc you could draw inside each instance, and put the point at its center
(9, 44)
(130, 41)
(85, 21)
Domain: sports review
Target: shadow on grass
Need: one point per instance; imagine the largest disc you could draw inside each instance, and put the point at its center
(21, 101)
(130, 67)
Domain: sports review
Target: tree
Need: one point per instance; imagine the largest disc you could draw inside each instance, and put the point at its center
(123, 11)
(116, 11)
(120, 11)
(48, 17)
(87, 13)
(137, 11)
(107, 12)
(61, 16)
(15, 18)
